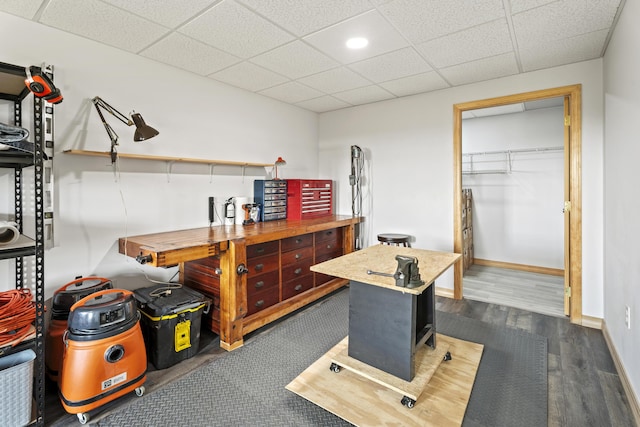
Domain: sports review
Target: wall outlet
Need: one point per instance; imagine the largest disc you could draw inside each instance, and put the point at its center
(627, 316)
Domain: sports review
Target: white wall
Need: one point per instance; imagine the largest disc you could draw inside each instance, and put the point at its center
(196, 116)
(517, 217)
(622, 175)
(409, 148)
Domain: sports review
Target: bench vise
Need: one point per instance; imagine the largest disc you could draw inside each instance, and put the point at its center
(407, 274)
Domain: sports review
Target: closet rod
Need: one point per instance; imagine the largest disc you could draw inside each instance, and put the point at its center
(519, 150)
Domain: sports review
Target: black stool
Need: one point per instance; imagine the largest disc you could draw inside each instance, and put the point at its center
(395, 239)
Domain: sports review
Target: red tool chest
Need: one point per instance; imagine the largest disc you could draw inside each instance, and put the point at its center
(309, 198)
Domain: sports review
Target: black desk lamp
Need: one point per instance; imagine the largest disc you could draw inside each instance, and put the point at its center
(143, 131)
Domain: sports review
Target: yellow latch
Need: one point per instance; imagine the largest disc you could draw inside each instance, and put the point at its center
(182, 335)
(567, 291)
(567, 207)
(567, 120)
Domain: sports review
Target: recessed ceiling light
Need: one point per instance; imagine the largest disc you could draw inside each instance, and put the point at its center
(357, 43)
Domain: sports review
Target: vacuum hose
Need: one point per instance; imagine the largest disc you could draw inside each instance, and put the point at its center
(8, 232)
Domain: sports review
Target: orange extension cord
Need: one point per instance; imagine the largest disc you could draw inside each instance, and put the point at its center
(17, 313)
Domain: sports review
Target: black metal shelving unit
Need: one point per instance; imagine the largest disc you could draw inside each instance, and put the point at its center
(13, 90)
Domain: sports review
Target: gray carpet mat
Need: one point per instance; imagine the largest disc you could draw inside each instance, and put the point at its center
(511, 383)
(246, 387)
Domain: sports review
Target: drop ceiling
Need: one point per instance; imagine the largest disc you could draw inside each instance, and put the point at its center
(294, 50)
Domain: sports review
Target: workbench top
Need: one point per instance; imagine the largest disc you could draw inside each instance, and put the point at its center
(171, 247)
(382, 258)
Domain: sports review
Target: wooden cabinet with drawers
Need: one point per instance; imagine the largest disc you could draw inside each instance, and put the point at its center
(253, 274)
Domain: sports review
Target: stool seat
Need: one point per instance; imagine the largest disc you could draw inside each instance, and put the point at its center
(395, 239)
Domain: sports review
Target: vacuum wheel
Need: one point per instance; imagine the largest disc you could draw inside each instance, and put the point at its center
(140, 391)
(334, 368)
(83, 417)
(447, 356)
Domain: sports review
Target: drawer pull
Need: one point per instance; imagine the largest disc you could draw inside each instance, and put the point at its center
(328, 246)
(328, 233)
(297, 288)
(298, 256)
(259, 267)
(298, 240)
(260, 250)
(260, 303)
(298, 271)
(259, 284)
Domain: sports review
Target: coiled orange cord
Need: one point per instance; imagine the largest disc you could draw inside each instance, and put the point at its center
(17, 313)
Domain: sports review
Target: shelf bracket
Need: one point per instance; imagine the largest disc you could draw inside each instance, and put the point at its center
(169, 168)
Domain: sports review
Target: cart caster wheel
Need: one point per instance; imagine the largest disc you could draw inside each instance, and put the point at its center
(447, 356)
(408, 402)
(140, 391)
(334, 368)
(83, 417)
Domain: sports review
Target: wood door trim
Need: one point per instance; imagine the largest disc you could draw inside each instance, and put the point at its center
(574, 92)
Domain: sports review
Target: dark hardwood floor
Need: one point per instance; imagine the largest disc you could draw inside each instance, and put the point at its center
(584, 386)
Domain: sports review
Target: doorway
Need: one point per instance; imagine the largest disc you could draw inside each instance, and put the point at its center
(572, 181)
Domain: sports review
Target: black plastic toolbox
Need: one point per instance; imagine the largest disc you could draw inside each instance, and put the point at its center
(171, 318)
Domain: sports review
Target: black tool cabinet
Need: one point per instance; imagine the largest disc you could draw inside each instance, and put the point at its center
(14, 91)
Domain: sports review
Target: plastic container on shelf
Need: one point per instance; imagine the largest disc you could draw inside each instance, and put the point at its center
(16, 377)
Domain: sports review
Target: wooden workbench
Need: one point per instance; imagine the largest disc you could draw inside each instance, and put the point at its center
(254, 274)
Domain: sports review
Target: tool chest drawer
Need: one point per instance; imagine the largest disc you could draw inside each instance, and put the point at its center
(261, 249)
(271, 195)
(257, 301)
(263, 264)
(297, 286)
(334, 234)
(262, 282)
(309, 198)
(323, 278)
(297, 242)
(297, 256)
(299, 269)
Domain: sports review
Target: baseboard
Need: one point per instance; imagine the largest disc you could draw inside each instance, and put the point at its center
(631, 396)
(592, 322)
(444, 292)
(522, 267)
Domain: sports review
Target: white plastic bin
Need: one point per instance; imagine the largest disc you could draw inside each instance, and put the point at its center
(16, 379)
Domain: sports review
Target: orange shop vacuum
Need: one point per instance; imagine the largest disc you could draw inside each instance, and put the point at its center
(61, 303)
(104, 353)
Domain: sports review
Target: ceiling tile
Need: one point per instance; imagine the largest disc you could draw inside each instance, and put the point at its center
(562, 19)
(393, 65)
(565, 51)
(371, 25)
(482, 69)
(425, 82)
(23, 8)
(295, 60)
(424, 20)
(292, 92)
(490, 39)
(303, 17)
(322, 104)
(188, 54)
(231, 27)
(364, 95)
(169, 13)
(335, 80)
(98, 21)
(249, 76)
(518, 6)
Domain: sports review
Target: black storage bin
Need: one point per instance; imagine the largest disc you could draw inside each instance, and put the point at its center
(171, 318)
